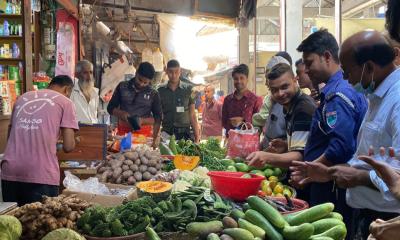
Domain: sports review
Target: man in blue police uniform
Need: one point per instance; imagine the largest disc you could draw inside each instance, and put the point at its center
(336, 122)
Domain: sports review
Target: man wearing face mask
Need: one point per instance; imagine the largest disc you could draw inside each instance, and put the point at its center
(137, 104)
(336, 122)
(84, 95)
(367, 61)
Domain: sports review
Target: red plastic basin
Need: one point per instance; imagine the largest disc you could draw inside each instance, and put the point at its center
(230, 184)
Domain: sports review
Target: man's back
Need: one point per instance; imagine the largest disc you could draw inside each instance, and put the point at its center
(30, 155)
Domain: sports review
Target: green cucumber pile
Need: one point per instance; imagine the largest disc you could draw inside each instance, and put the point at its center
(262, 221)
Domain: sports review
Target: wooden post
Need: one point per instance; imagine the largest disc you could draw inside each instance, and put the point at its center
(27, 34)
(37, 41)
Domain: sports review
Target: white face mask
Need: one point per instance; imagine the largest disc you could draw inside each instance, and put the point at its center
(359, 87)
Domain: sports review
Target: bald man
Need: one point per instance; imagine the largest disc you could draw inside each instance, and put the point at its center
(367, 62)
(211, 125)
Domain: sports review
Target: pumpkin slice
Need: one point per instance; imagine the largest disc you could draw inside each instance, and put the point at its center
(186, 162)
(158, 190)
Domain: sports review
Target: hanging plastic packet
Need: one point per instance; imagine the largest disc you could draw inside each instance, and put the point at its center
(126, 142)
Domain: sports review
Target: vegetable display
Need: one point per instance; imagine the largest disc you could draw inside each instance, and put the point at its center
(139, 164)
(263, 221)
(130, 218)
(40, 218)
(210, 153)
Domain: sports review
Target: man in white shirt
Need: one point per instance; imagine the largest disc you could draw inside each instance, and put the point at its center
(367, 61)
(84, 95)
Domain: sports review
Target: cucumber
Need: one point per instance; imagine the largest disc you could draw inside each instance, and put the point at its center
(255, 230)
(203, 229)
(227, 162)
(269, 212)
(335, 215)
(213, 236)
(236, 214)
(289, 216)
(312, 214)
(336, 233)
(325, 224)
(257, 219)
(151, 234)
(239, 233)
(242, 167)
(301, 232)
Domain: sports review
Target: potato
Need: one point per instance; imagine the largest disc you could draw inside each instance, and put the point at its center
(104, 177)
(138, 176)
(134, 167)
(127, 174)
(143, 168)
(147, 176)
(129, 155)
(125, 167)
(158, 166)
(101, 169)
(152, 170)
(116, 164)
(148, 154)
(119, 180)
(128, 162)
(121, 158)
(152, 163)
(144, 160)
(117, 172)
(131, 180)
(109, 173)
(138, 162)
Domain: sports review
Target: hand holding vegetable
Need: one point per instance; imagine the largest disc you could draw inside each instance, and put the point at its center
(258, 159)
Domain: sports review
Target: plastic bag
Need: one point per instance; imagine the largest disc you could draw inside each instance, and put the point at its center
(242, 142)
(126, 142)
(90, 185)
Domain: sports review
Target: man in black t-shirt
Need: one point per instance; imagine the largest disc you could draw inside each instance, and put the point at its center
(298, 109)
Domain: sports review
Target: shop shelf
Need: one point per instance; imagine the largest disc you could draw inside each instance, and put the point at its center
(3, 15)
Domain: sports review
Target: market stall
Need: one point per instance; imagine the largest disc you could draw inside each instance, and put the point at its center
(182, 191)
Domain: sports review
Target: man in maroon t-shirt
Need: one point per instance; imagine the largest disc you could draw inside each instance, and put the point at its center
(240, 106)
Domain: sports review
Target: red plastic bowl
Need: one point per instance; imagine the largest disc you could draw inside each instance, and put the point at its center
(230, 184)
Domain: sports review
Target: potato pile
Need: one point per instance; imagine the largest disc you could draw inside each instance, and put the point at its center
(40, 218)
(139, 164)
